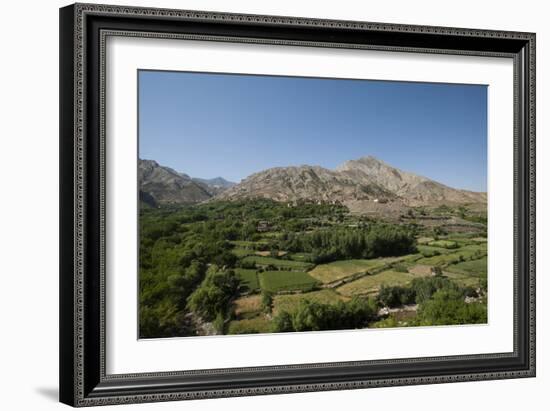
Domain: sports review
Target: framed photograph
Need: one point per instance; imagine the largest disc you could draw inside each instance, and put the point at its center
(261, 204)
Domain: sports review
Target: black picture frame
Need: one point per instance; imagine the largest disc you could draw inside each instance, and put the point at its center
(83, 29)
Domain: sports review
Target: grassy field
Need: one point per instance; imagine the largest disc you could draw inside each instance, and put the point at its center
(467, 252)
(372, 283)
(302, 257)
(256, 325)
(463, 280)
(337, 270)
(268, 253)
(444, 244)
(424, 240)
(473, 268)
(248, 244)
(276, 262)
(429, 251)
(289, 302)
(242, 252)
(286, 281)
(249, 278)
(248, 306)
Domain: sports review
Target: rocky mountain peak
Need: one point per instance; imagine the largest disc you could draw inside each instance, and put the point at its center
(362, 181)
(160, 184)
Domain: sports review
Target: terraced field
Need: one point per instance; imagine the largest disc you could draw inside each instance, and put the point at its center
(289, 302)
(424, 240)
(303, 257)
(256, 325)
(276, 262)
(276, 281)
(473, 268)
(429, 250)
(465, 253)
(249, 278)
(280, 254)
(248, 306)
(463, 279)
(370, 284)
(462, 259)
(268, 253)
(444, 244)
(249, 244)
(327, 273)
(339, 270)
(242, 252)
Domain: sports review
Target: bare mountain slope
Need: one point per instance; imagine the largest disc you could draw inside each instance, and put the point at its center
(159, 184)
(165, 185)
(412, 188)
(357, 181)
(215, 185)
(363, 184)
(303, 183)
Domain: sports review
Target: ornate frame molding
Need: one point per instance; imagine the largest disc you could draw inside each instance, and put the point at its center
(83, 39)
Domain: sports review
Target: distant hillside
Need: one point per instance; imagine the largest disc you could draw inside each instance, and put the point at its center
(304, 183)
(365, 184)
(215, 185)
(159, 184)
(411, 188)
(356, 181)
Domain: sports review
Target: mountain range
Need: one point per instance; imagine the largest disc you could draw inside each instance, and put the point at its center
(159, 184)
(358, 183)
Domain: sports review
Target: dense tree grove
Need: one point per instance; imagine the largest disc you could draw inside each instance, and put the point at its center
(314, 316)
(448, 307)
(374, 240)
(396, 296)
(441, 302)
(420, 290)
(212, 296)
(163, 297)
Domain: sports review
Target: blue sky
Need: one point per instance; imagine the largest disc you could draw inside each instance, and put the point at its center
(209, 125)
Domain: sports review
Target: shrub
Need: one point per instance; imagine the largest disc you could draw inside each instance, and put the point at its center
(396, 296)
(469, 292)
(424, 288)
(400, 268)
(267, 301)
(212, 297)
(447, 307)
(248, 264)
(314, 316)
(219, 323)
(282, 322)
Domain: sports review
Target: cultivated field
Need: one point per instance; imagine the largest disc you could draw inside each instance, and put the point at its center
(337, 270)
(276, 262)
(308, 257)
(371, 284)
(279, 281)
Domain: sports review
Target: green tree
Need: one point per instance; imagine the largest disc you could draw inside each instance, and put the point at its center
(267, 301)
(282, 322)
(396, 296)
(447, 307)
(425, 287)
(214, 294)
(274, 252)
(315, 316)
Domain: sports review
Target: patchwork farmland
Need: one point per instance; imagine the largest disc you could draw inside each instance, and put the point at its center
(259, 266)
